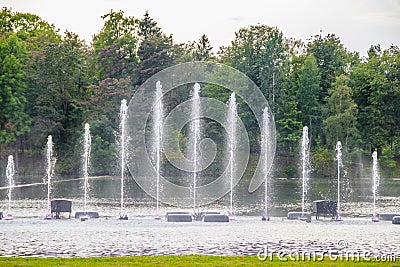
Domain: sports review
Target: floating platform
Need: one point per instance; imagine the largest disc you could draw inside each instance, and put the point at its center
(396, 220)
(298, 215)
(387, 216)
(179, 216)
(325, 207)
(1, 215)
(216, 218)
(59, 206)
(90, 214)
(201, 215)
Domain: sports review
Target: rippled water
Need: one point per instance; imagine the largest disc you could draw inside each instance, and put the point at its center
(29, 235)
(146, 236)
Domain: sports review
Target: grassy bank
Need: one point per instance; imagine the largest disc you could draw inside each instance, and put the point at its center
(189, 260)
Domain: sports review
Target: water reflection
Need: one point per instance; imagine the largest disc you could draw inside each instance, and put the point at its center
(105, 194)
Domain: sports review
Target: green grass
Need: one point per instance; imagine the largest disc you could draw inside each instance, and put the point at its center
(176, 261)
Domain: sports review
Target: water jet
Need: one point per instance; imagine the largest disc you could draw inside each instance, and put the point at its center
(10, 172)
(232, 136)
(123, 144)
(339, 165)
(157, 146)
(375, 184)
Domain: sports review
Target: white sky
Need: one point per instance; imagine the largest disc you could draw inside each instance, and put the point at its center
(358, 23)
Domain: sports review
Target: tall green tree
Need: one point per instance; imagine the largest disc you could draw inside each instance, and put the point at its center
(341, 114)
(34, 34)
(156, 50)
(260, 52)
(332, 60)
(60, 102)
(377, 94)
(13, 119)
(308, 93)
(116, 45)
(200, 50)
(287, 119)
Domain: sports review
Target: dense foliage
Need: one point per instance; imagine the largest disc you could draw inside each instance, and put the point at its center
(52, 83)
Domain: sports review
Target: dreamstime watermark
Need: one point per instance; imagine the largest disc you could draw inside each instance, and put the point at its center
(140, 113)
(339, 253)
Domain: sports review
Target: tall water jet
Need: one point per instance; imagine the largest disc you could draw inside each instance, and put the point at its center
(50, 163)
(232, 142)
(157, 135)
(339, 165)
(123, 143)
(86, 162)
(305, 167)
(266, 147)
(195, 137)
(10, 172)
(375, 183)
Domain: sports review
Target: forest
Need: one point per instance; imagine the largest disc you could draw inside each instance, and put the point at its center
(53, 83)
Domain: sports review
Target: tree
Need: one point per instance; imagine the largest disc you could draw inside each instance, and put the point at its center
(376, 92)
(200, 50)
(331, 58)
(341, 113)
(287, 121)
(308, 92)
(60, 100)
(260, 52)
(27, 35)
(155, 51)
(13, 119)
(115, 47)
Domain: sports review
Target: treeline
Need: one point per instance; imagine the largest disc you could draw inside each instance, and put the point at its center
(52, 83)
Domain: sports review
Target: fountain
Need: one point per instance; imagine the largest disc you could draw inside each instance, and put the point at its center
(375, 183)
(195, 138)
(10, 171)
(232, 129)
(339, 165)
(50, 163)
(123, 144)
(157, 133)
(265, 153)
(305, 177)
(305, 167)
(86, 161)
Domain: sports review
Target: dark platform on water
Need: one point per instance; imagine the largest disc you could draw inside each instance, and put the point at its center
(216, 218)
(178, 216)
(200, 216)
(298, 215)
(1, 215)
(387, 216)
(396, 220)
(91, 214)
(325, 207)
(59, 206)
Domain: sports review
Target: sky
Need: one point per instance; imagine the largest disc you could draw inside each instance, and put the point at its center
(358, 23)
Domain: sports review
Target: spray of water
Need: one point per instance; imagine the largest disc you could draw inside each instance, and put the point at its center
(157, 135)
(266, 152)
(50, 163)
(10, 172)
(123, 143)
(305, 167)
(232, 143)
(339, 166)
(375, 183)
(86, 162)
(195, 136)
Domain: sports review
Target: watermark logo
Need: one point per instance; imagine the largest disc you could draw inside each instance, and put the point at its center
(140, 112)
(341, 252)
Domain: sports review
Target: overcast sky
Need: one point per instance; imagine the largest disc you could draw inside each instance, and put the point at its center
(358, 23)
